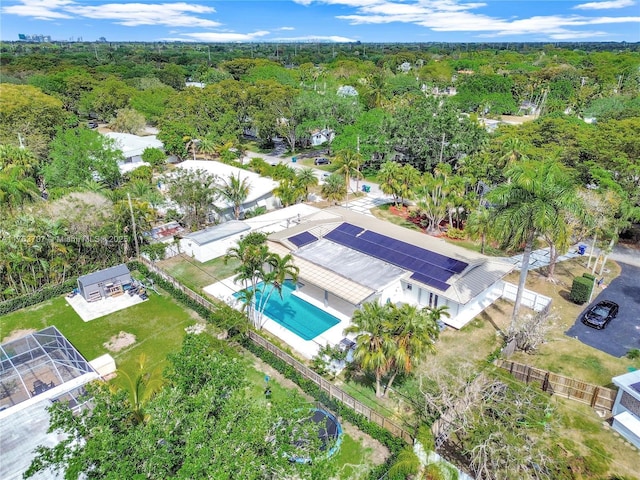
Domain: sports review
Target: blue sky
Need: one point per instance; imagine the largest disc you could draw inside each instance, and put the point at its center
(324, 20)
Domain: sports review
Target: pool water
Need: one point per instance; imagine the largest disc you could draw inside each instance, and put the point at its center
(296, 315)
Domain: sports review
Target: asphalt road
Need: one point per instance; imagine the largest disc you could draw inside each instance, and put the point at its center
(623, 332)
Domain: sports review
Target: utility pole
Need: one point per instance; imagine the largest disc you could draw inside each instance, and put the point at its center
(133, 223)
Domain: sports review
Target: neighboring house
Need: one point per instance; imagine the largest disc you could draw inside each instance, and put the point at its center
(260, 188)
(347, 259)
(528, 108)
(212, 242)
(318, 137)
(132, 147)
(347, 91)
(404, 67)
(167, 233)
(626, 409)
(104, 283)
(438, 92)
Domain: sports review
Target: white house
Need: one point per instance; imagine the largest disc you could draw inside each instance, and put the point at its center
(260, 188)
(346, 259)
(324, 135)
(626, 409)
(132, 147)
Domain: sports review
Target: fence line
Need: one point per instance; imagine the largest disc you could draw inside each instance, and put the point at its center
(597, 397)
(326, 386)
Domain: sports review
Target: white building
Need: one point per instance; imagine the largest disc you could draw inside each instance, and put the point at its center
(347, 259)
(132, 147)
(318, 137)
(626, 409)
(260, 188)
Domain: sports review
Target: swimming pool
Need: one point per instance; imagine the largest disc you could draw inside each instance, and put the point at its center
(296, 315)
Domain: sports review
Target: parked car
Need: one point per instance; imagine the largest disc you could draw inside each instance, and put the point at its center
(92, 124)
(600, 314)
(322, 161)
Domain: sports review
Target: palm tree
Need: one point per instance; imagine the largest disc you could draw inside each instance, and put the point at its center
(289, 192)
(532, 202)
(305, 178)
(479, 225)
(348, 164)
(141, 387)
(208, 147)
(373, 343)
(512, 151)
(235, 190)
(261, 272)
(389, 176)
(16, 188)
(413, 332)
(334, 188)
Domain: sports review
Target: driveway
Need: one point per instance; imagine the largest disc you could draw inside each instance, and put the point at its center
(623, 332)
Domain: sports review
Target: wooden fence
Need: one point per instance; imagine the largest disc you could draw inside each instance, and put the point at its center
(333, 391)
(597, 397)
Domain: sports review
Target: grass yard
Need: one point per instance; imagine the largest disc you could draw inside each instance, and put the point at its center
(158, 325)
(196, 275)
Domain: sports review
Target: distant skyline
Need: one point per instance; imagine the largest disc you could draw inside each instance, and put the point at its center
(324, 20)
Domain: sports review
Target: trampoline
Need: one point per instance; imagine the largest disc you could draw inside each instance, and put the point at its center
(329, 434)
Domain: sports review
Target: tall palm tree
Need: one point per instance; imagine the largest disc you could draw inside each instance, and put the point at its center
(413, 332)
(305, 178)
(389, 176)
(334, 188)
(141, 387)
(235, 190)
(208, 147)
(532, 202)
(512, 151)
(261, 272)
(373, 343)
(16, 188)
(348, 164)
(479, 225)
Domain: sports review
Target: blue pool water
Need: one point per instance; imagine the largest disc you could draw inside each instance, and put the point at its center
(296, 315)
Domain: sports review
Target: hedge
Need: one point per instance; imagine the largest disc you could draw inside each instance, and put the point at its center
(41, 295)
(581, 290)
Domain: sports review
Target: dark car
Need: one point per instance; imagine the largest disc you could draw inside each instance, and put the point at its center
(600, 314)
(92, 124)
(322, 161)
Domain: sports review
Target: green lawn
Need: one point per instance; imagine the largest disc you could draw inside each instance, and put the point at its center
(196, 275)
(158, 325)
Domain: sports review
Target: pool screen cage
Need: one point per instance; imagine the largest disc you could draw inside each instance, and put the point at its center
(35, 363)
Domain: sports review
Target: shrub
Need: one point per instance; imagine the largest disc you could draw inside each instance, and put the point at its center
(581, 290)
(633, 354)
(589, 276)
(456, 234)
(37, 297)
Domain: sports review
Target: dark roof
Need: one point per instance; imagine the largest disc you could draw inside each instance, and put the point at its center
(102, 275)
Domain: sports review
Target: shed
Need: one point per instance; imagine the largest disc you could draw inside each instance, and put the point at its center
(626, 409)
(109, 282)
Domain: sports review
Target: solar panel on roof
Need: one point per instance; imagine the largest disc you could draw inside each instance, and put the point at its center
(302, 239)
(429, 267)
(636, 387)
(433, 282)
(349, 228)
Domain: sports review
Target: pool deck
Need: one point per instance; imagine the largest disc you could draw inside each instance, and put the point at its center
(225, 289)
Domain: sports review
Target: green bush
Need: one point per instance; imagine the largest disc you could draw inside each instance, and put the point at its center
(37, 297)
(633, 354)
(456, 234)
(581, 290)
(589, 276)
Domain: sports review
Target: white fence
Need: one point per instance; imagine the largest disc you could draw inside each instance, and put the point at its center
(532, 300)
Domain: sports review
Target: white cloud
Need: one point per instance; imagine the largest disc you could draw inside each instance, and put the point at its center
(225, 36)
(317, 38)
(455, 16)
(38, 9)
(135, 14)
(607, 5)
(286, 28)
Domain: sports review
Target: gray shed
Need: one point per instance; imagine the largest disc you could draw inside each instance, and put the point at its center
(109, 282)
